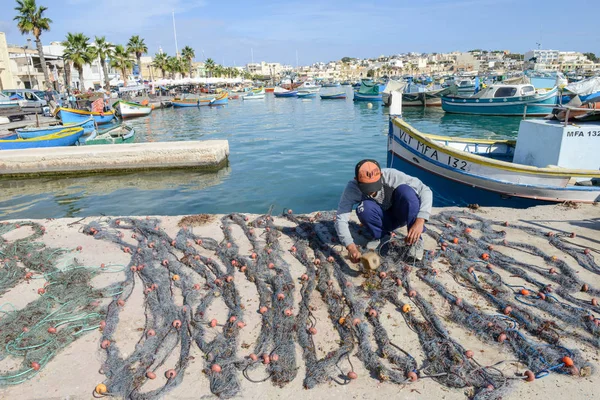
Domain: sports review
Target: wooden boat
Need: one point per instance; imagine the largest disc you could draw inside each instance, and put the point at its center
(286, 93)
(521, 173)
(128, 109)
(191, 102)
(254, 96)
(334, 96)
(221, 100)
(309, 87)
(65, 137)
(466, 86)
(28, 133)
(503, 100)
(369, 91)
(234, 97)
(427, 97)
(303, 94)
(331, 84)
(114, 135)
(71, 115)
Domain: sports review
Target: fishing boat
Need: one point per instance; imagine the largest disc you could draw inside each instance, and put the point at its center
(31, 132)
(499, 99)
(428, 96)
(331, 84)
(285, 93)
(65, 137)
(221, 100)
(128, 109)
(369, 91)
(466, 85)
(521, 173)
(305, 94)
(333, 96)
(114, 135)
(269, 90)
(191, 102)
(309, 87)
(392, 86)
(71, 115)
(254, 96)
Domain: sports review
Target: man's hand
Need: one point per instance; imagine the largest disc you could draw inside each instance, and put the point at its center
(414, 233)
(353, 253)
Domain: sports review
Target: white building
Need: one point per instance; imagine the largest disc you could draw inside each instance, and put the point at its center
(542, 56)
(264, 68)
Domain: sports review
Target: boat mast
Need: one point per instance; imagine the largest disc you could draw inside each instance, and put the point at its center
(175, 33)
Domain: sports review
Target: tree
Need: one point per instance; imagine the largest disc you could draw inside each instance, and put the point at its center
(122, 61)
(209, 65)
(103, 50)
(188, 55)
(174, 66)
(161, 62)
(592, 57)
(31, 20)
(370, 73)
(78, 53)
(137, 46)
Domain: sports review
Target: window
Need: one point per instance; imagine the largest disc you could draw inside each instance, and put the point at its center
(29, 96)
(527, 91)
(505, 92)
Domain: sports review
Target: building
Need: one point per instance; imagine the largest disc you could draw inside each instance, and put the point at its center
(466, 62)
(265, 69)
(542, 56)
(6, 77)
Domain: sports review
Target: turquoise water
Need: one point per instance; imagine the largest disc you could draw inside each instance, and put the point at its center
(283, 152)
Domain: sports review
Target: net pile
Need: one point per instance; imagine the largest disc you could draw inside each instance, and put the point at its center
(530, 309)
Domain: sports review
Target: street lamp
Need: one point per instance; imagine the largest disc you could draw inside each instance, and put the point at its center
(27, 60)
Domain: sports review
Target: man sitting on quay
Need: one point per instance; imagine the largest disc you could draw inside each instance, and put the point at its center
(387, 200)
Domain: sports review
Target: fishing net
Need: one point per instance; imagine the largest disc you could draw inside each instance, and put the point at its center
(529, 309)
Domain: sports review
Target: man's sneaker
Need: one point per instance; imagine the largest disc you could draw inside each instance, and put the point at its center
(417, 250)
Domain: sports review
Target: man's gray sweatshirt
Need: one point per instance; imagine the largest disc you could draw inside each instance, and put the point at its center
(391, 179)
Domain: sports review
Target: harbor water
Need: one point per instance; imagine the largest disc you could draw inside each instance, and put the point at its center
(284, 152)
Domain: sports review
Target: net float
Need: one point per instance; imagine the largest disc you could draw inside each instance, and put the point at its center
(505, 223)
(35, 366)
(312, 330)
(382, 275)
(541, 295)
(373, 312)
(102, 324)
(470, 270)
(41, 291)
(469, 354)
(105, 344)
(101, 388)
(150, 375)
(412, 376)
(455, 240)
(263, 309)
(28, 275)
(330, 283)
(573, 234)
(233, 262)
(288, 312)
(507, 310)
(485, 256)
(552, 271)
(271, 265)
(218, 282)
(165, 262)
(141, 267)
(79, 248)
(490, 247)
(468, 230)
(196, 257)
(266, 359)
(594, 302)
(175, 277)
(213, 323)
(229, 279)
(269, 251)
(228, 245)
(246, 218)
(268, 229)
(585, 287)
(489, 266)
(173, 243)
(586, 251)
(253, 256)
(251, 232)
(118, 221)
(330, 259)
(352, 375)
(524, 292)
(348, 284)
(274, 357)
(25, 329)
(293, 249)
(317, 261)
(151, 245)
(121, 302)
(412, 293)
(458, 301)
(304, 277)
(243, 268)
(398, 282)
(171, 373)
(176, 324)
(568, 361)
(151, 332)
(355, 321)
(154, 286)
(550, 234)
(215, 368)
(102, 265)
(198, 241)
(447, 225)
(52, 330)
(502, 337)
(241, 324)
(529, 376)
(554, 258)
(233, 318)
(342, 320)
(405, 308)
(280, 296)
(253, 357)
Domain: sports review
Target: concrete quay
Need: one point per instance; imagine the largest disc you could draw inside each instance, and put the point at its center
(73, 160)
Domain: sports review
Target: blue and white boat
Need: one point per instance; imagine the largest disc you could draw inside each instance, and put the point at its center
(65, 137)
(221, 100)
(502, 99)
(466, 86)
(521, 173)
(285, 93)
(71, 115)
(303, 94)
(369, 91)
(29, 133)
(333, 96)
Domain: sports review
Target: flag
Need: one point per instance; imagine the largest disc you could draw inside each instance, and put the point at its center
(98, 105)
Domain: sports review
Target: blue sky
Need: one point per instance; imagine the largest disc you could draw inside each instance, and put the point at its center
(323, 30)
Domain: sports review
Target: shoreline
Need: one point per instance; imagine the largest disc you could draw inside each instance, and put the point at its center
(71, 374)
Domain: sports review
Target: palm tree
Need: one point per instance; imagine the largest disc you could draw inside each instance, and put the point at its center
(160, 62)
(78, 53)
(188, 55)
(103, 50)
(174, 66)
(137, 46)
(209, 65)
(121, 60)
(31, 20)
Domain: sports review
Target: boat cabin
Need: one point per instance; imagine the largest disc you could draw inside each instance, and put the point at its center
(504, 91)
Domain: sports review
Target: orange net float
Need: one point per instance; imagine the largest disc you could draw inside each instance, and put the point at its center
(150, 375)
(406, 308)
(101, 388)
(568, 361)
(216, 368)
(412, 376)
(352, 375)
(529, 376)
(263, 309)
(170, 374)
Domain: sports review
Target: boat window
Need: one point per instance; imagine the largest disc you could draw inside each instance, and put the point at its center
(505, 92)
(527, 90)
(29, 96)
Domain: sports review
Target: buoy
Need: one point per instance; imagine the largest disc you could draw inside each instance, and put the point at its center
(215, 368)
(469, 354)
(369, 105)
(406, 308)
(170, 374)
(455, 240)
(342, 320)
(567, 361)
(253, 357)
(213, 323)
(412, 376)
(524, 292)
(150, 375)
(529, 376)
(101, 388)
(485, 256)
(176, 324)
(312, 330)
(35, 366)
(352, 375)
(263, 309)
(274, 357)
(105, 344)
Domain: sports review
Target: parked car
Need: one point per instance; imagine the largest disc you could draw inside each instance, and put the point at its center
(30, 100)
